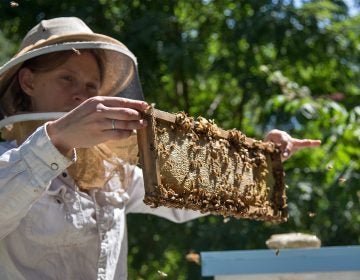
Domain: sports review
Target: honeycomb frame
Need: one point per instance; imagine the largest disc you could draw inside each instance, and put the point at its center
(193, 164)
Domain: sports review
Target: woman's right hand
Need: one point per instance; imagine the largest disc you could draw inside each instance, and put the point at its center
(91, 123)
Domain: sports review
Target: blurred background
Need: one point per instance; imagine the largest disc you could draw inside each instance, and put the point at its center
(249, 65)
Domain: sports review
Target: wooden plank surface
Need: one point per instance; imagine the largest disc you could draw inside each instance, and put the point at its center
(170, 117)
(148, 159)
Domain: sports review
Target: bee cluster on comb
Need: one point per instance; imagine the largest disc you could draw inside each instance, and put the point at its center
(193, 164)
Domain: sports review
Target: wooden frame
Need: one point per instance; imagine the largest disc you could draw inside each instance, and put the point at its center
(193, 164)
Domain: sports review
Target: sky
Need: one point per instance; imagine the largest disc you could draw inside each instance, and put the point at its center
(353, 10)
(350, 3)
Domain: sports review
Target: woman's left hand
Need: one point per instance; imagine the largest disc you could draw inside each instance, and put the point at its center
(288, 144)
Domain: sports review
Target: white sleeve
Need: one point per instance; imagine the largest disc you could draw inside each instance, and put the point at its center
(25, 174)
(136, 192)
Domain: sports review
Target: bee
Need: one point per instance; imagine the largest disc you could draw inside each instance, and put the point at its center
(193, 257)
(164, 154)
(197, 149)
(247, 165)
(187, 125)
(191, 144)
(311, 214)
(214, 172)
(199, 180)
(226, 220)
(163, 192)
(198, 163)
(195, 137)
(192, 165)
(213, 154)
(329, 167)
(237, 157)
(14, 4)
(342, 180)
(162, 274)
(238, 177)
(225, 181)
(161, 130)
(76, 51)
(169, 164)
(226, 160)
(189, 135)
(161, 146)
(213, 130)
(201, 124)
(171, 146)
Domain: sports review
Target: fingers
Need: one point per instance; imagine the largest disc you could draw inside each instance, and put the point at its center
(119, 118)
(110, 101)
(115, 124)
(294, 145)
(115, 113)
(118, 113)
(125, 112)
(305, 143)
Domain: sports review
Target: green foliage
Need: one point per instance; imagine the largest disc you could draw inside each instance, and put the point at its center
(7, 49)
(252, 65)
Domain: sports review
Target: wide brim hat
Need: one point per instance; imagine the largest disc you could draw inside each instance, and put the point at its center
(71, 33)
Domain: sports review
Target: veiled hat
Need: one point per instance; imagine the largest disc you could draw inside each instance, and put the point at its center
(70, 33)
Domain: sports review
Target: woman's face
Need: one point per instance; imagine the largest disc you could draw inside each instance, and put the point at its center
(65, 87)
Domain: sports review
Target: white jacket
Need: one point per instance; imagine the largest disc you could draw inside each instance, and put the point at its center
(50, 230)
